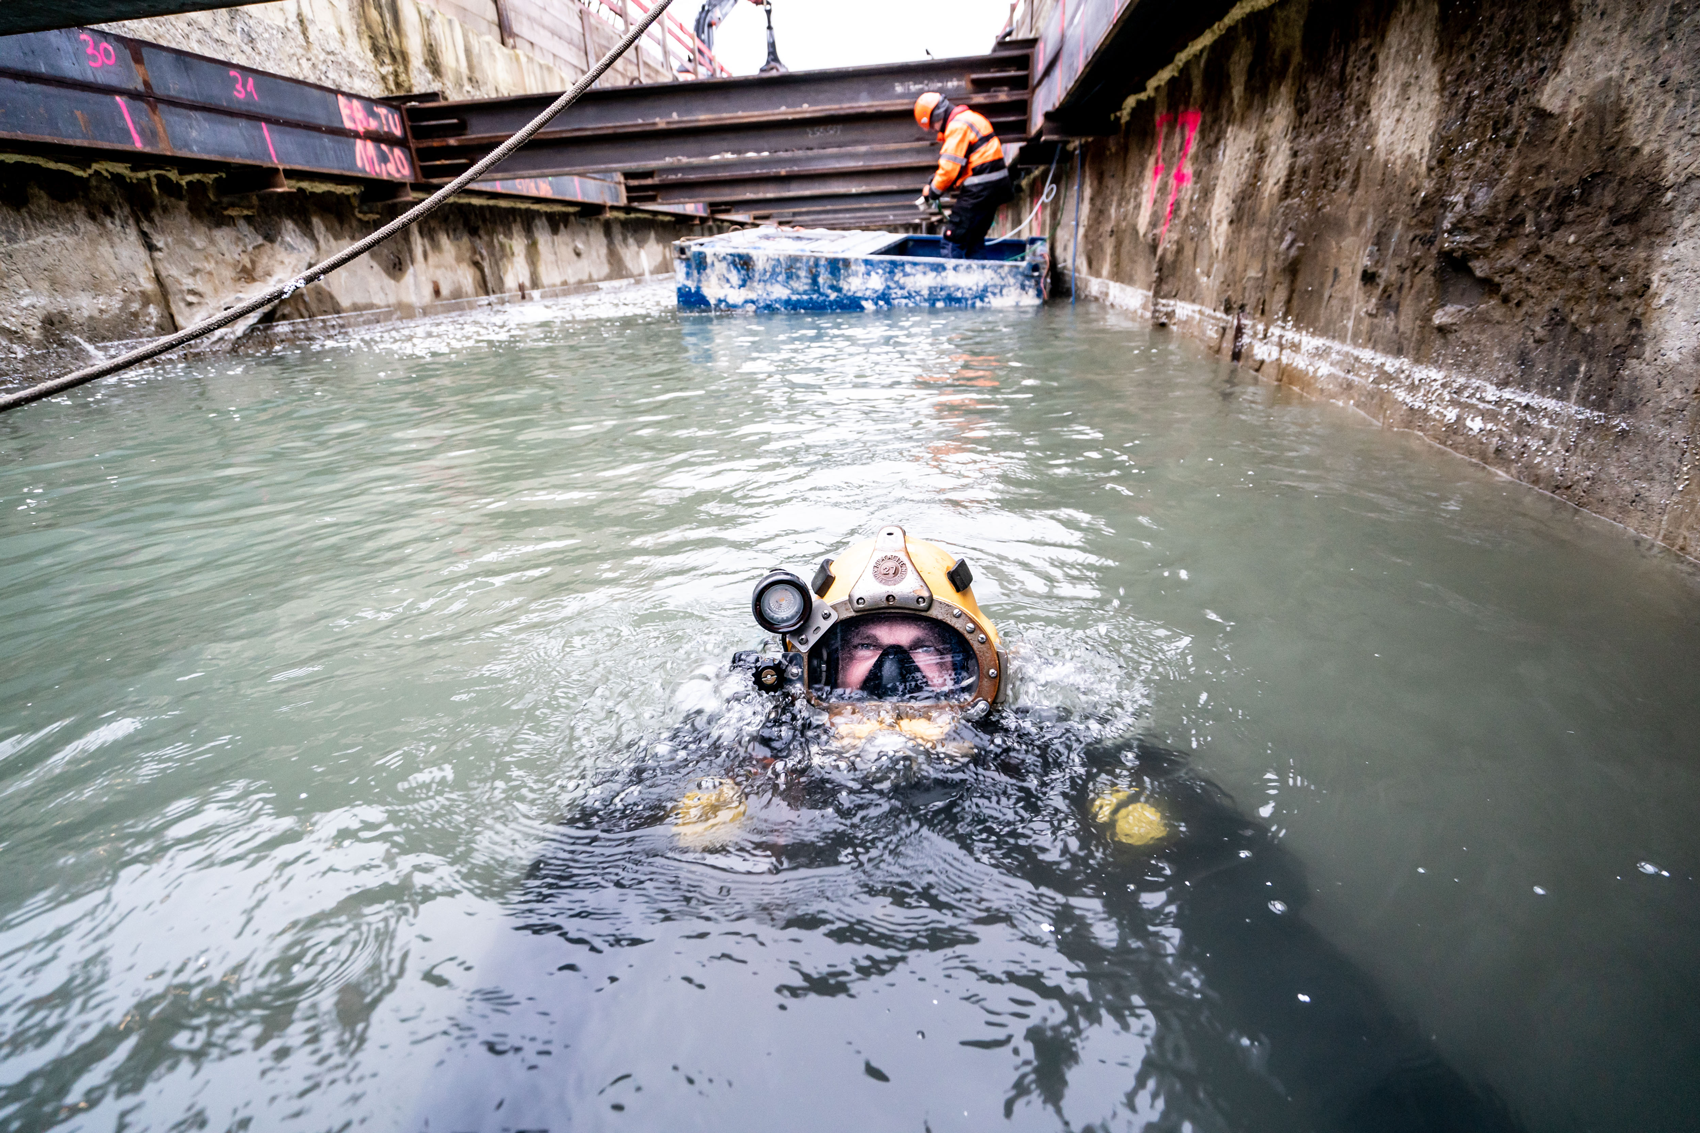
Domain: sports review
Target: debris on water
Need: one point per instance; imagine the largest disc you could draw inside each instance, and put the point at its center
(1649, 867)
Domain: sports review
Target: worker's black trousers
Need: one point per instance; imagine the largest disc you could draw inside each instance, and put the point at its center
(971, 218)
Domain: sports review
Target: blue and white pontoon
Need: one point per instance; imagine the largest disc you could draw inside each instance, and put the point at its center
(792, 269)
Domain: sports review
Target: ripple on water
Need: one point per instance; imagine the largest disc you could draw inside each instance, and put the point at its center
(313, 659)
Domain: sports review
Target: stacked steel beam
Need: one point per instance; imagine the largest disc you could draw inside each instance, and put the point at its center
(834, 148)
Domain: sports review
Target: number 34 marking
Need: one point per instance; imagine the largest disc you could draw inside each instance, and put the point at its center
(244, 86)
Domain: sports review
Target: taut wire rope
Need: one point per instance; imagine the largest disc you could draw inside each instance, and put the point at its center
(318, 271)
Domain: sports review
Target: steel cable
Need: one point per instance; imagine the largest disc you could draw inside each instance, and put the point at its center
(354, 251)
(1044, 197)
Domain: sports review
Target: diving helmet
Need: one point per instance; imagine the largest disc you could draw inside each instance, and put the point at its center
(889, 620)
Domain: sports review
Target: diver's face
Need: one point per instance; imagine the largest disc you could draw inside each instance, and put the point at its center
(926, 642)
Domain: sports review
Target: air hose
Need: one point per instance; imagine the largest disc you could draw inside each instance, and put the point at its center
(318, 271)
(1074, 246)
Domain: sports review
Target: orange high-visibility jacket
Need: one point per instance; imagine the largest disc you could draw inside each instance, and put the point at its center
(971, 152)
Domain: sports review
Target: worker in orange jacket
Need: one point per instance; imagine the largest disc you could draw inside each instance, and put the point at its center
(970, 163)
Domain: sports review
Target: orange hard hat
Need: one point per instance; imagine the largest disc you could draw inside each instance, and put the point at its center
(924, 107)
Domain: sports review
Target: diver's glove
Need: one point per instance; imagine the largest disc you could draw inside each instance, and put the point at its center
(709, 813)
(1127, 818)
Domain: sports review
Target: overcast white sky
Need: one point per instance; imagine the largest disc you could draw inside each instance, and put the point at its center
(848, 33)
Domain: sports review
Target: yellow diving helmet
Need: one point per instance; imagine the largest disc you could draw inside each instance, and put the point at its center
(890, 620)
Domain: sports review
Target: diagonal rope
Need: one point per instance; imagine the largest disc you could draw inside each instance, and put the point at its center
(1044, 197)
(318, 271)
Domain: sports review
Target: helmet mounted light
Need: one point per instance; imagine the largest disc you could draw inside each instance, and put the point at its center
(781, 602)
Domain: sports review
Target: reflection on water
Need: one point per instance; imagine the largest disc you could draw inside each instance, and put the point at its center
(347, 690)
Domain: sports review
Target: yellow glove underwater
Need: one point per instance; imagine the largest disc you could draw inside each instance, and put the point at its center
(1130, 821)
(710, 813)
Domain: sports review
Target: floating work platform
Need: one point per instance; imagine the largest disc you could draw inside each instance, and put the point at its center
(792, 269)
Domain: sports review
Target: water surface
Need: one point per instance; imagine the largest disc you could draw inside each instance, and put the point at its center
(308, 661)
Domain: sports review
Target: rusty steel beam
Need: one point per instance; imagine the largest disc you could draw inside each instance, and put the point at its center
(865, 216)
(864, 221)
(1093, 54)
(78, 93)
(917, 152)
(873, 202)
(797, 94)
(754, 190)
(837, 202)
(79, 89)
(576, 149)
(733, 182)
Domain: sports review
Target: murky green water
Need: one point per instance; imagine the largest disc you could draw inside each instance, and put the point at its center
(304, 659)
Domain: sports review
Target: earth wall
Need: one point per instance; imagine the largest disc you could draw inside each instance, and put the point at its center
(1479, 221)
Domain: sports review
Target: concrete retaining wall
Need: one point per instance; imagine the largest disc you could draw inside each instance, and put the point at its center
(1479, 221)
(91, 257)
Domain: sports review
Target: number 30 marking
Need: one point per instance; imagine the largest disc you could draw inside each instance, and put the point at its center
(100, 54)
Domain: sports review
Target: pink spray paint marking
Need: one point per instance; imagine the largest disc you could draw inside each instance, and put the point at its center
(100, 54)
(1157, 169)
(271, 149)
(135, 135)
(1187, 120)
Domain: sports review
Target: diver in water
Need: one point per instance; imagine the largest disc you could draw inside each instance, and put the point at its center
(885, 691)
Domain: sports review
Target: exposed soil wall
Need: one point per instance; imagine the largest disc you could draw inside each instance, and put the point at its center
(102, 254)
(381, 48)
(376, 48)
(1476, 220)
